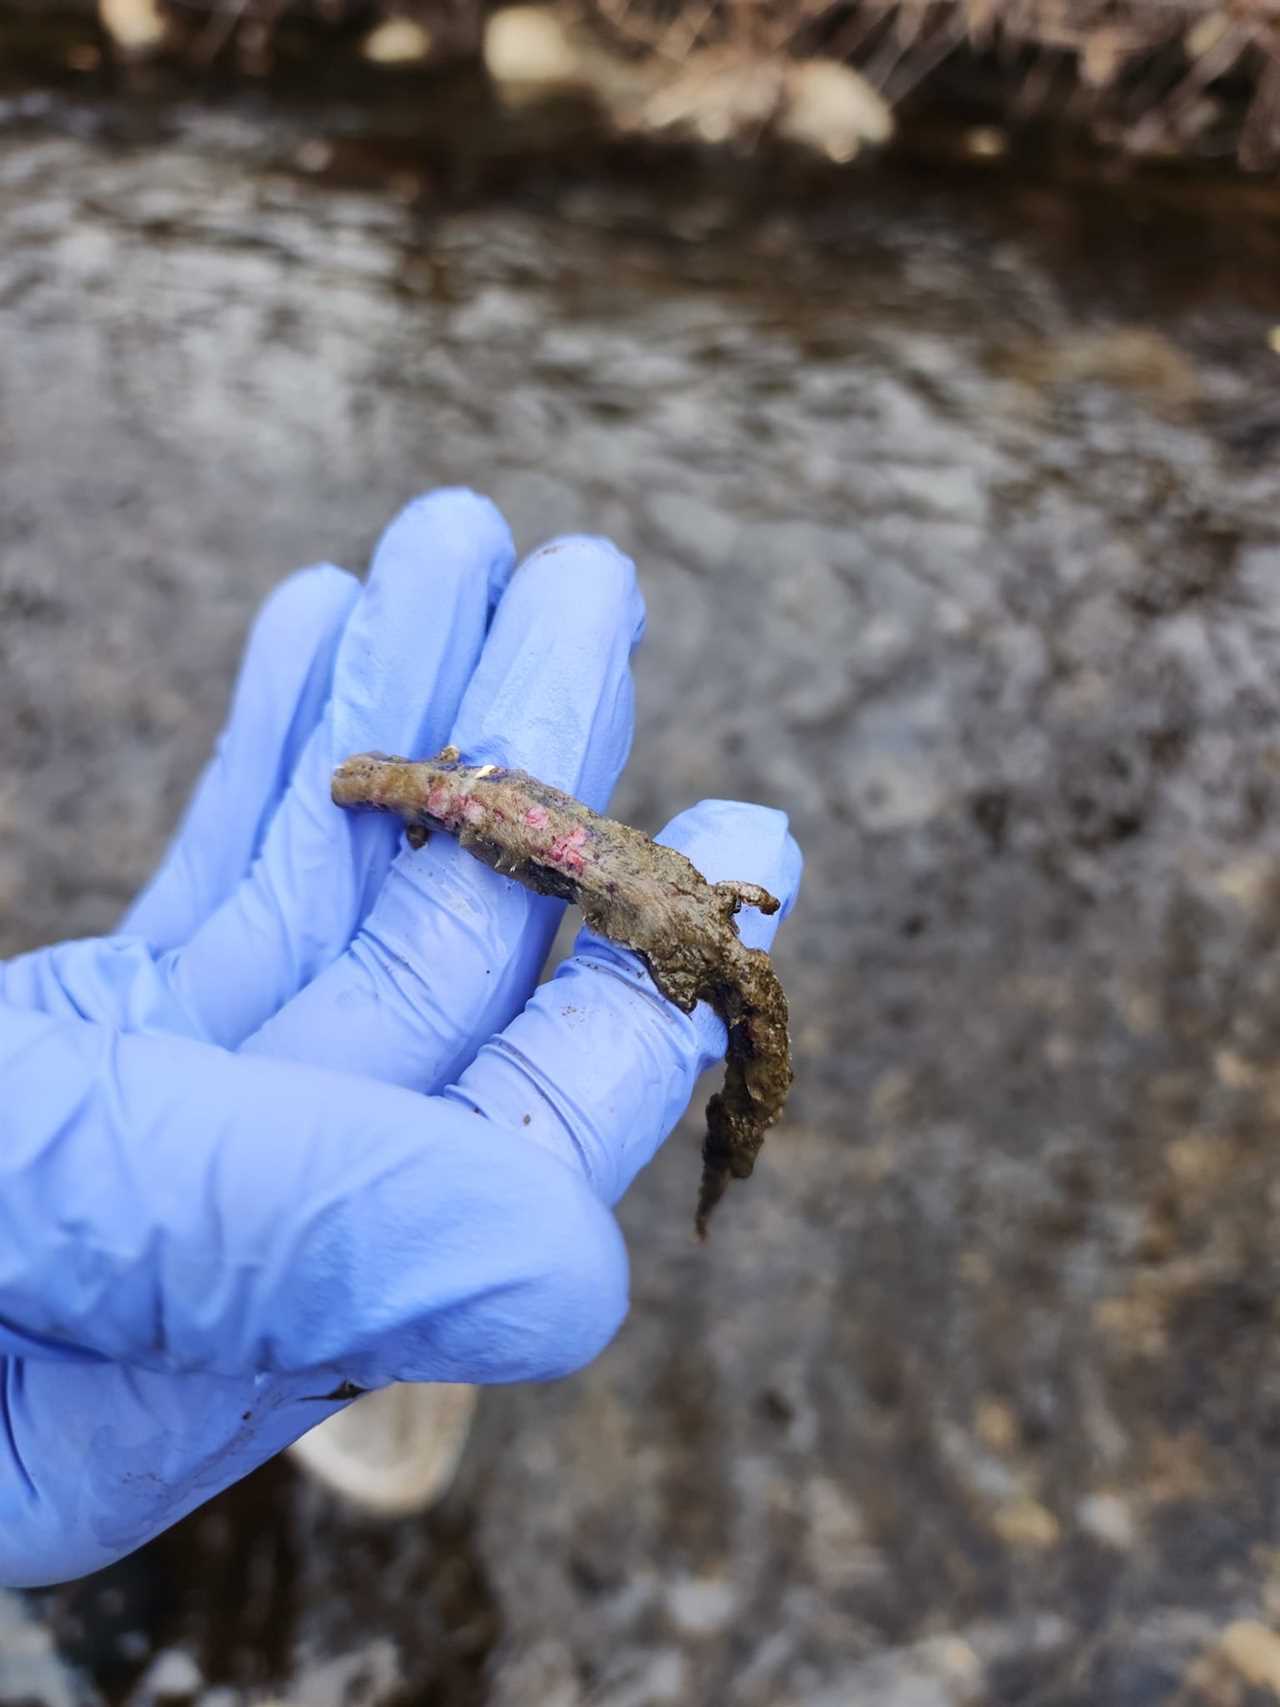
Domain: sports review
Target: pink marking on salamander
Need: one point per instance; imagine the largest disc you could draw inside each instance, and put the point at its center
(564, 850)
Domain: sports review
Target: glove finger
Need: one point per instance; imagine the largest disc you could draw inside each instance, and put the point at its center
(242, 1239)
(599, 1066)
(450, 951)
(279, 697)
(402, 666)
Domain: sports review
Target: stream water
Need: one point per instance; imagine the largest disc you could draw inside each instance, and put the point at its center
(956, 502)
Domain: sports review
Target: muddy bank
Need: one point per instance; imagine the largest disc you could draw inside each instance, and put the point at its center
(1190, 81)
(955, 501)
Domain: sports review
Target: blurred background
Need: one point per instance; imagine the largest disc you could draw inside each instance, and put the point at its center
(926, 358)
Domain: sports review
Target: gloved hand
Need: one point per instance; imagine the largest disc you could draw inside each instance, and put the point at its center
(289, 1134)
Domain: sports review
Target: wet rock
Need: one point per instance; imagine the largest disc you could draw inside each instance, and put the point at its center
(135, 26)
(701, 1606)
(172, 1677)
(529, 50)
(692, 531)
(832, 109)
(397, 41)
(31, 1670)
(1108, 1518)
(368, 1673)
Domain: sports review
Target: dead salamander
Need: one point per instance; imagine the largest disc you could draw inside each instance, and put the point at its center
(640, 895)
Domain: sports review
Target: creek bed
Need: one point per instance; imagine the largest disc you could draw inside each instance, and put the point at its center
(956, 502)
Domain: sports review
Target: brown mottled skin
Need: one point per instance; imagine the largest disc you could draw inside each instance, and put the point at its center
(642, 896)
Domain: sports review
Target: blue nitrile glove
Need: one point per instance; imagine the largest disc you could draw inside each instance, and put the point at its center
(289, 1134)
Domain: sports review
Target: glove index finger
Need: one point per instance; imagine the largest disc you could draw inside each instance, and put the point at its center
(280, 695)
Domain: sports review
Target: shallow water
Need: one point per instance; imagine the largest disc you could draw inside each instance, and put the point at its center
(955, 499)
